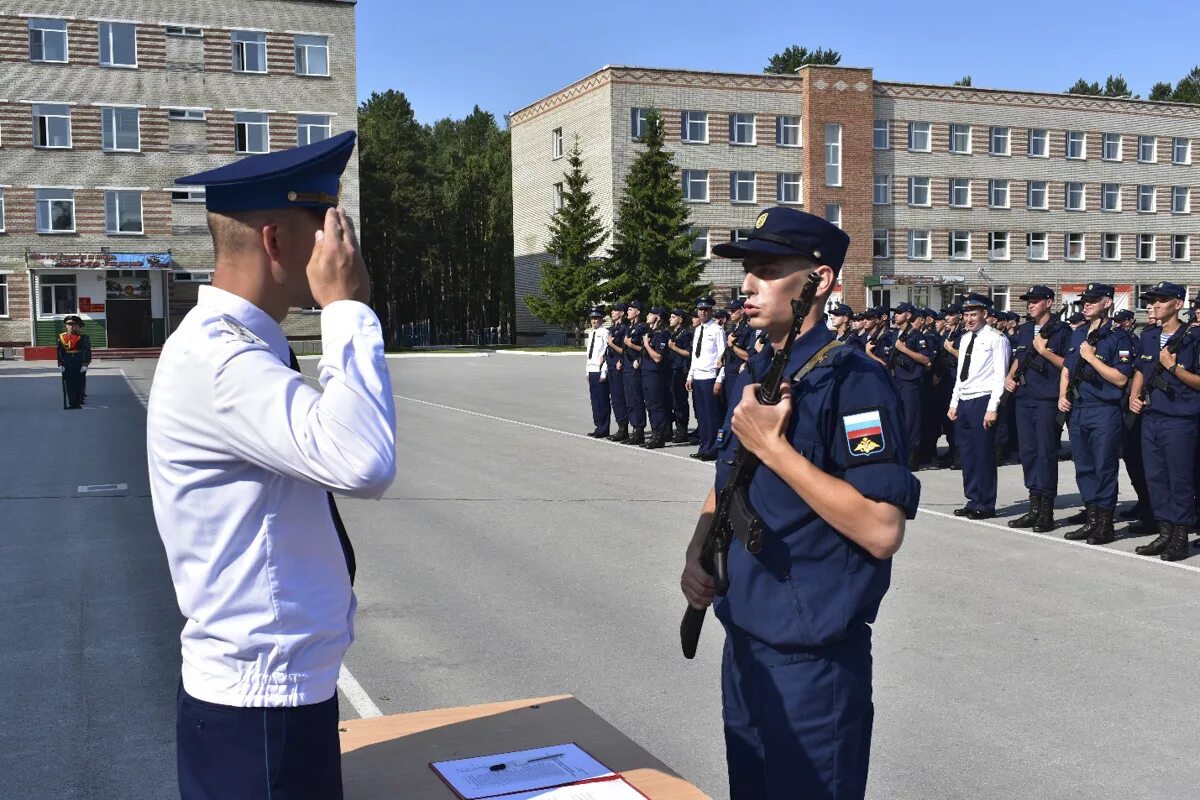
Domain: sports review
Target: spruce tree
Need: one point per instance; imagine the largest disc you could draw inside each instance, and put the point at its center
(651, 258)
(570, 283)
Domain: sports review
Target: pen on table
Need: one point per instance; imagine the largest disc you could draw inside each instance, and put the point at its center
(498, 767)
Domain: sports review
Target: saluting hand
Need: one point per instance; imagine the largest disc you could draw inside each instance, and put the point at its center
(760, 427)
(336, 270)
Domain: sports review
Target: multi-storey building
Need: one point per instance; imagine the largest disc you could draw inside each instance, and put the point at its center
(942, 189)
(100, 116)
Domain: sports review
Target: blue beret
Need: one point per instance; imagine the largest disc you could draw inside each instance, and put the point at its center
(783, 231)
(1098, 290)
(302, 177)
(974, 300)
(597, 312)
(1165, 289)
(1038, 292)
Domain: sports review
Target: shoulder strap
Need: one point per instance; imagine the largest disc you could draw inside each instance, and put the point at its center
(817, 359)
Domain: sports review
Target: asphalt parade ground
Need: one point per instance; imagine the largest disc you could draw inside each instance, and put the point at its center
(514, 557)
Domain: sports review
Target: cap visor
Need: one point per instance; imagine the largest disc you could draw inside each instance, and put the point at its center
(748, 247)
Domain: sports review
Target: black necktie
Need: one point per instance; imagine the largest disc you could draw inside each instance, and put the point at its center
(343, 538)
(591, 344)
(699, 339)
(966, 365)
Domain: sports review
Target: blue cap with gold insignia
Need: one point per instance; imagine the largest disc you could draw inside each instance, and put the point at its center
(841, 310)
(1038, 292)
(302, 177)
(660, 310)
(737, 303)
(1165, 289)
(782, 231)
(1124, 315)
(1098, 290)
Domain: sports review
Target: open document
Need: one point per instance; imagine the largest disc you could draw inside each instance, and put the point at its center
(561, 772)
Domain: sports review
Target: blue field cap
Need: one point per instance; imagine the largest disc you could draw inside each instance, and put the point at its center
(841, 310)
(302, 177)
(1098, 290)
(1166, 289)
(737, 303)
(1038, 292)
(638, 304)
(1123, 315)
(660, 310)
(782, 231)
(620, 306)
(682, 313)
(905, 308)
(953, 308)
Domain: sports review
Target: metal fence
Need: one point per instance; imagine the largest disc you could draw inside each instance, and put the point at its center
(423, 334)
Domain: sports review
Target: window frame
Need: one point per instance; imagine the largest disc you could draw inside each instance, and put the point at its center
(1107, 239)
(1067, 246)
(992, 239)
(299, 47)
(887, 243)
(887, 134)
(53, 283)
(191, 194)
(112, 49)
(957, 237)
(38, 129)
(686, 130)
(1070, 186)
(1187, 150)
(1082, 141)
(44, 25)
(188, 115)
(928, 132)
(912, 191)
(884, 182)
(304, 123)
(951, 189)
(556, 196)
(240, 44)
(49, 203)
(737, 180)
(1187, 200)
(688, 178)
(1104, 187)
(782, 124)
(111, 114)
(183, 31)
(707, 253)
(1105, 140)
(782, 182)
(237, 125)
(638, 117)
(955, 132)
(4, 312)
(912, 239)
(556, 144)
(1187, 247)
(1041, 135)
(116, 196)
(2, 211)
(1045, 190)
(737, 124)
(1152, 141)
(829, 217)
(1153, 209)
(1153, 240)
(1029, 256)
(993, 130)
(993, 187)
(833, 154)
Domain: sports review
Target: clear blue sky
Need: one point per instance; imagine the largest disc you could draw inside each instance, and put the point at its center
(450, 55)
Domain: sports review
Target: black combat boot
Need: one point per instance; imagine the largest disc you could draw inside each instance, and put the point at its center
(1045, 517)
(1027, 519)
(622, 433)
(1104, 533)
(638, 437)
(1092, 515)
(1156, 547)
(914, 462)
(658, 439)
(1177, 546)
(680, 436)
(1144, 526)
(955, 459)
(1079, 518)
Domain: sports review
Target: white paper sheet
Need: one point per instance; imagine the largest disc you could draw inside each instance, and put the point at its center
(540, 769)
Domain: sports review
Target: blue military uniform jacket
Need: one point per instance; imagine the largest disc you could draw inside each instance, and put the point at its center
(1041, 379)
(634, 333)
(616, 335)
(810, 586)
(905, 368)
(658, 340)
(1116, 349)
(682, 340)
(1179, 399)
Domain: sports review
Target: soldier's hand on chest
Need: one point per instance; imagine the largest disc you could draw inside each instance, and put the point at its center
(759, 427)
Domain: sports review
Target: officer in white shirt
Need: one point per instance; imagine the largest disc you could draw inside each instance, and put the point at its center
(705, 378)
(974, 401)
(597, 375)
(243, 455)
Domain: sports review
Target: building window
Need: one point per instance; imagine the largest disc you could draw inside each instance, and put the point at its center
(880, 243)
(1180, 247)
(1147, 200)
(556, 143)
(960, 138)
(998, 193)
(184, 31)
(1035, 195)
(741, 187)
(638, 117)
(186, 114)
(120, 130)
(918, 191)
(833, 213)
(918, 136)
(1181, 200)
(251, 131)
(695, 127)
(1110, 147)
(118, 44)
(881, 194)
(312, 128)
(1145, 245)
(739, 235)
(960, 192)
(188, 194)
(918, 245)
(3, 295)
(1147, 149)
(833, 154)
(1076, 145)
(123, 212)
(249, 51)
(48, 41)
(1181, 150)
(741, 129)
(999, 297)
(695, 185)
(787, 131)
(1110, 197)
(1035, 246)
(700, 243)
(787, 187)
(55, 210)
(1039, 143)
(881, 134)
(960, 245)
(1074, 197)
(998, 245)
(51, 126)
(1073, 247)
(1110, 247)
(312, 56)
(998, 141)
(557, 196)
(2, 212)
(58, 295)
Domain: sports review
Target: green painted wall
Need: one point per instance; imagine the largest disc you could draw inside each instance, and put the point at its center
(47, 331)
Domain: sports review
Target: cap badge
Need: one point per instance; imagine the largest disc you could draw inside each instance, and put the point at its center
(762, 220)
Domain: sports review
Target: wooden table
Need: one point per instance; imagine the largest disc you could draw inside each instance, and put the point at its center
(387, 758)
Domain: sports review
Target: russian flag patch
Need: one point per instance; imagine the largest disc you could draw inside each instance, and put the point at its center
(864, 433)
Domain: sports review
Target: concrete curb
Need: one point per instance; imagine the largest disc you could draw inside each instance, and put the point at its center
(543, 353)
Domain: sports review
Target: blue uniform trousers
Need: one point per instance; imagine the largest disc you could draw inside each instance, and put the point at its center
(708, 414)
(797, 723)
(635, 398)
(978, 448)
(679, 399)
(616, 393)
(1168, 445)
(1095, 438)
(910, 403)
(1131, 454)
(601, 403)
(657, 387)
(1038, 437)
(930, 416)
(228, 753)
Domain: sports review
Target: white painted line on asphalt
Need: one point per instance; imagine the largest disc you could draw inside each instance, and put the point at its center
(357, 696)
(543, 353)
(103, 487)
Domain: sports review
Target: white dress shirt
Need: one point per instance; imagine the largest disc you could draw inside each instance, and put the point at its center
(705, 366)
(988, 370)
(597, 345)
(241, 451)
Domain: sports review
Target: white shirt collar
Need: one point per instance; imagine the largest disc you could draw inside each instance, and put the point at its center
(250, 315)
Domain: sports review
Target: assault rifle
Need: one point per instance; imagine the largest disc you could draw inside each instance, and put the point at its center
(1082, 370)
(1031, 358)
(1158, 380)
(733, 515)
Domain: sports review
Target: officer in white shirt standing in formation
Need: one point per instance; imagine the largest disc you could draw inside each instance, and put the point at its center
(243, 455)
(597, 375)
(705, 379)
(978, 386)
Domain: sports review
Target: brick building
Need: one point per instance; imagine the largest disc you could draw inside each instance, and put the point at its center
(942, 189)
(100, 116)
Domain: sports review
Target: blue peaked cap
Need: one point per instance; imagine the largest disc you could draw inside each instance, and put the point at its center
(302, 177)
